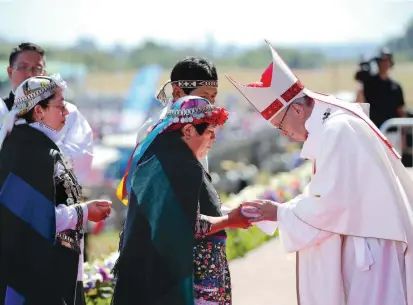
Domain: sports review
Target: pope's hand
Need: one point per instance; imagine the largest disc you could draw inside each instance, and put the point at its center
(98, 209)
(266, 209)
(237, 220)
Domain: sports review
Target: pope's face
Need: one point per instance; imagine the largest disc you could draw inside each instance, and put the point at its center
(291, 122)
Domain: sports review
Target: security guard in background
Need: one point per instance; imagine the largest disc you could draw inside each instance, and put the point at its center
(385, 97)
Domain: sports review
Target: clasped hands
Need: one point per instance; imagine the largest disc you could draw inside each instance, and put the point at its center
(260, 209)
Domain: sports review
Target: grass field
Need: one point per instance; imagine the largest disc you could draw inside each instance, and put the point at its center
(330, 79)
(102, 244)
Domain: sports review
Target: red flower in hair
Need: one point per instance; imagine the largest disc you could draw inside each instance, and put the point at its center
(219, 117)
(216, 117)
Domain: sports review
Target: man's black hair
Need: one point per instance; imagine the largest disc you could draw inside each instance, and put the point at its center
(194, 68)
(383, 53)
(25, 46)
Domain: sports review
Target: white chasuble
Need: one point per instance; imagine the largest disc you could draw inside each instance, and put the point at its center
(352, 226)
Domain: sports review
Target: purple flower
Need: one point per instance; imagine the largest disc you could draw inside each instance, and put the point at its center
(270, 195)
(104, 273)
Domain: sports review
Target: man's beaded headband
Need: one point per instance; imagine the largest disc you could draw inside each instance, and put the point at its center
(185, 84)
(196, 83)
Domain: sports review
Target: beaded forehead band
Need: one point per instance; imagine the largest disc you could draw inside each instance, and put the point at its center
(184, 84)
(196, 83)
(188, 115)
(32, 97)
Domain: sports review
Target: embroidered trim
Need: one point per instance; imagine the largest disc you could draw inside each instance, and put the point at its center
(272, 109)
(64, 176)
(202, 225)
(53, 134)
(69, 239)
(79, 212)
(26, 103)
(191, 111)
(196, 83)
(293, 91)
(203, 113)
(191, 84)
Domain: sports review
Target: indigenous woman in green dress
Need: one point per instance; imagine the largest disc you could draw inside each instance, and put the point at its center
(173, 245)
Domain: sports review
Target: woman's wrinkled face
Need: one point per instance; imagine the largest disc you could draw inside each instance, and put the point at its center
(54, 115)
(200, 144)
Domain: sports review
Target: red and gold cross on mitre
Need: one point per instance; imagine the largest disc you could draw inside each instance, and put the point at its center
(277, 88)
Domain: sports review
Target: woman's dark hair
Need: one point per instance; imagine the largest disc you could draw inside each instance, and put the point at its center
(28, 116)
(194, 68)
(200, 128)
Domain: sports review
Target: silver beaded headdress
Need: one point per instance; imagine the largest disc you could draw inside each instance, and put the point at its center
(188, 115)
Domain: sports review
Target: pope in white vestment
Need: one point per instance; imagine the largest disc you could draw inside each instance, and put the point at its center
(352, 228)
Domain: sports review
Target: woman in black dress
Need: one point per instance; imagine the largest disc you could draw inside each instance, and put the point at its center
(41, 218)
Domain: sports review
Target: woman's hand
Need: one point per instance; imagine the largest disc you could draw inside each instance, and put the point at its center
(98, 210)
(237, 220)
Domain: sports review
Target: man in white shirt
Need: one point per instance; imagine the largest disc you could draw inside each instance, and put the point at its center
(352, 228)
(27, 60)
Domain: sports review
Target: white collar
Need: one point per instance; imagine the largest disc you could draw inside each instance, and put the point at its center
(315, 126)
(53, 134)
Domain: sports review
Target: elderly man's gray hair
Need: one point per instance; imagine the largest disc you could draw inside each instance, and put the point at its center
(304, 101)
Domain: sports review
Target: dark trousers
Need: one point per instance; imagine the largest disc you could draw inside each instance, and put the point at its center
(80, 296)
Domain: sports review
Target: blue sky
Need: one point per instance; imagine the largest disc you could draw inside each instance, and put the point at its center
(181, 21)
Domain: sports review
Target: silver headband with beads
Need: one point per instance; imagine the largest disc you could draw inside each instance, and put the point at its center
(188, 115)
